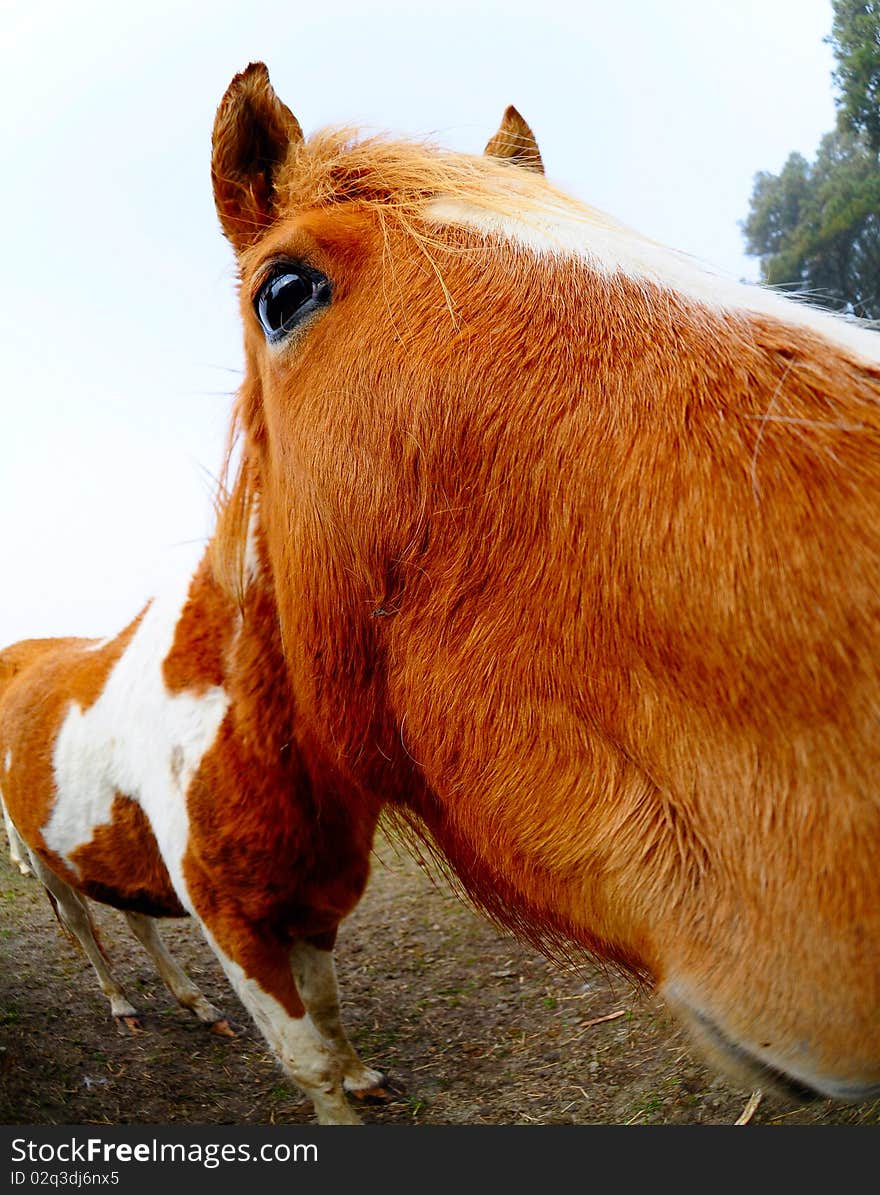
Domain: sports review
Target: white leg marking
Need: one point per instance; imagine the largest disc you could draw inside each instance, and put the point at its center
(74, 914)
(136, 739)
(173, 976)
(18, 851)
(308, 1058)
(315, 973)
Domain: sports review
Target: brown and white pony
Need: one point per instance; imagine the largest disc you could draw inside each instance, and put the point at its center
(575, 550)
(159, 772)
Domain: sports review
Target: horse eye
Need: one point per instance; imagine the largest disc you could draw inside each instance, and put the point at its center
(288, 295)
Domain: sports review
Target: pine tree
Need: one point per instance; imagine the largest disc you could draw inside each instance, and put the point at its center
(816, 226)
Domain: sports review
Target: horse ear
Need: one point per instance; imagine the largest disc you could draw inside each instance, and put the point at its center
(515, 142)
(253, 133)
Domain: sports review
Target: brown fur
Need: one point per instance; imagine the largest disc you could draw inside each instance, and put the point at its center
(141, 883)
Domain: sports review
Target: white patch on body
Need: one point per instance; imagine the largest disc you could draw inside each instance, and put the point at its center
(7, 762)
(612, 249)
(139, 740)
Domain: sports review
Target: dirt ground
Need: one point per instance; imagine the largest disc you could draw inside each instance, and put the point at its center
(476, 1028)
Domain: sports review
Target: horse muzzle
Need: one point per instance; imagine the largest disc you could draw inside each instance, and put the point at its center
(791, 1074)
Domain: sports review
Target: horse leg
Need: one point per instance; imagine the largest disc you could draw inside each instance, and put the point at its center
(17, 850)
(314, 970)
(259, 969)
(73, 913)
(174, 977)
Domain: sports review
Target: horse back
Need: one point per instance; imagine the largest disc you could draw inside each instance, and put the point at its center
(117, 862)
(18, 657)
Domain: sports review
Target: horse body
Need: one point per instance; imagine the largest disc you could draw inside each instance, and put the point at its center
(158, 772)
(576, 553)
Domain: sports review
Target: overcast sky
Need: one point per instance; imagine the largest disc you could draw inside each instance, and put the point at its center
(120, 343)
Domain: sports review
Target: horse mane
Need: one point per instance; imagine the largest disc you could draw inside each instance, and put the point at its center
(402, 182)
(235, 502)
(397, 179)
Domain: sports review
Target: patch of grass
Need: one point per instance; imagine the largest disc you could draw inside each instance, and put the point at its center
(648, 1107)
(414, 1104)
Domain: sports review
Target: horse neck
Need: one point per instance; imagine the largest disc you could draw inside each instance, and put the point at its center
(232, 641)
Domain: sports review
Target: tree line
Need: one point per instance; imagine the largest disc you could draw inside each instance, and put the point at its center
(815, 226)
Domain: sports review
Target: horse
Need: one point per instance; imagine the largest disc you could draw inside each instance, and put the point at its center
(575, 555)
(159, 772)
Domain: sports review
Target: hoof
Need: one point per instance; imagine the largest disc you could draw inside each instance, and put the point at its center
(131, 1022)
(383, 1092)
(222, 1028)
